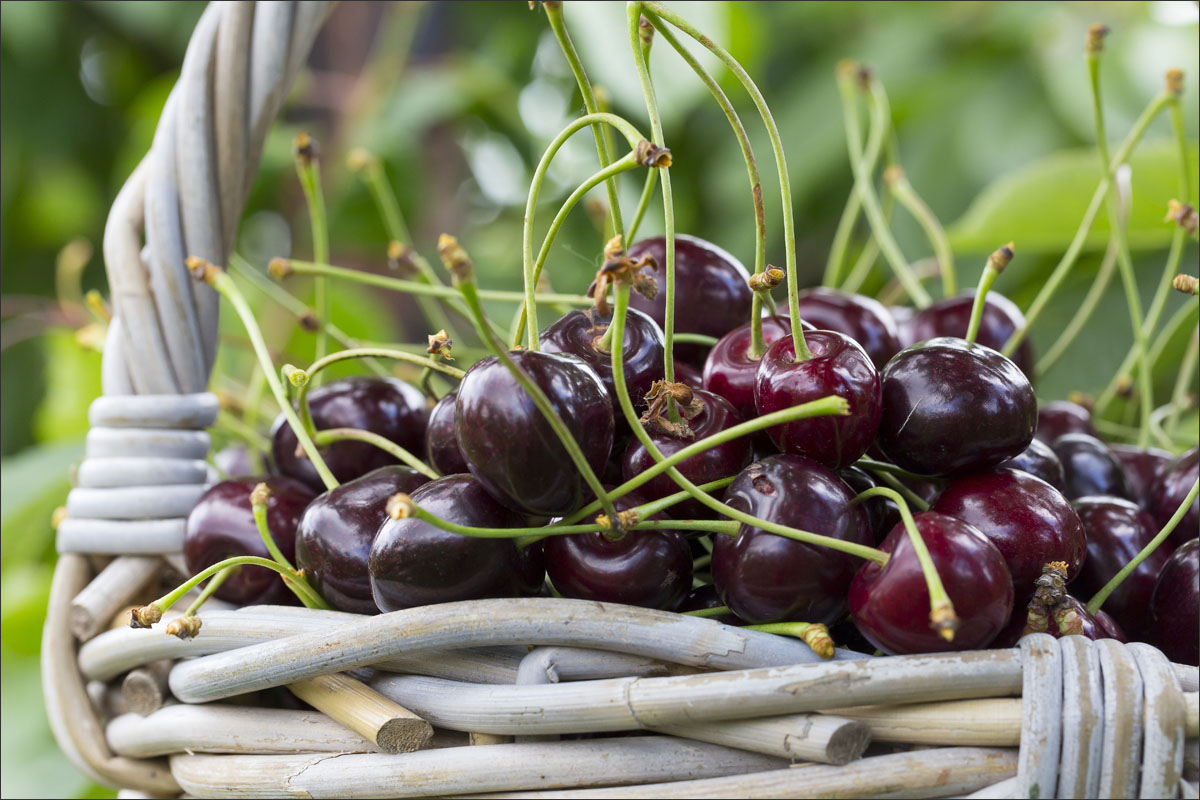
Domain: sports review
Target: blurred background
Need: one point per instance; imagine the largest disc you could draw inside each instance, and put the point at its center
(990, 107)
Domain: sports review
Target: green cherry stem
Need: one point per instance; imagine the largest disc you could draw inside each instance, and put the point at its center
(258, 506)
(850, 212)
(897, 183)
(1083, 313)
(643, 204)
(1094, 604)
(309, 171)
(715, 611)
(996, 263)
(328, 436)
(941, 609)
(209, 588)
(224, 285)
(1184, 380)
(376, 352)
(554, 14)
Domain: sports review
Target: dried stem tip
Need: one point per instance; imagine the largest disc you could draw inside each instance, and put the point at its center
(201, 269)
(400, 259)
(279, 268)
(455, 258)
(1051, 586)
(1188, 284)
(304, 148)
(183, 627)
(359, 158)
(1081, 399)
(846, 69)
(817, 637)
(1124, 386)
(1000, 259)
(308, 321)
(440, 344)
(645, 32)
(1175, 81)
(648, 154)
(767, 280)
(893, 174)
(625, 519)
(1094, 44)
(400, 506)
(260, 494)
(144, 616)
(1183, 215)
(943, 619)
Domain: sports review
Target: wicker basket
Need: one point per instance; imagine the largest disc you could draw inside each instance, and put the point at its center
(728, 710)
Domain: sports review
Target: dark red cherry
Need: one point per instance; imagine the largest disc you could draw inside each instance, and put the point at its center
(712, 295)
(951, 316)
(1117, 530)
(386, 406)
(414, 563)
(730, 372)
(838, 366)
(1142, 467)
(441, 446)
(221, 525)
(902, 315)
(1170, 490)
(509, 445)
(890, 603)
(1038, 459)
(1089, 467)
(714, 463)
(707, 597)
(863, 319)
(579, 332)
(652, 569)
(1027, 519)
(1175, 606)
(234, 461)
(1061, 416)
(950, 406)
(333, 541)
(763, 577)
(882, 513)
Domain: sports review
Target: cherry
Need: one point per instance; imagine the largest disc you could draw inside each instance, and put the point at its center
(838, 366)
(863, 319)
(441, 445)
(1061, 416)
(950, 317)
(712, 295)
(730, 372)
(950, 406)
(890, 603)
(714, 463)
(1175, 605)
(386, 406)
(221, 526)
(333, 541)
(234, 461)
(1169, 492)
(1142, 467)
(414, 563)
(652, 568)
(1089, 467)
(687, 374)
(882, 513)
(579, 333)
(763, 577)
(511, 448)
(1117, 530)
(1027, 519)
(1038, 459)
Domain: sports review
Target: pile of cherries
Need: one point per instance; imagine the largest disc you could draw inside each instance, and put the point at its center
(1029, 512)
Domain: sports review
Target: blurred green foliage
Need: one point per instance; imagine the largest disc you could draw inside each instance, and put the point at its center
(989, 103)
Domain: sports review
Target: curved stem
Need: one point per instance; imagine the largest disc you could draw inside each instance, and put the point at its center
(209, 588)
(1094, 604)
(841, 237)
(936, 234)
(696, 338)
(912, 497)
(307, 168)
(1184, 380)
(1084, 312)
(383, 352)
(258, 506)
(716, 611)
(996, 263)
(643, 204)
(328, 436)
(297, 583)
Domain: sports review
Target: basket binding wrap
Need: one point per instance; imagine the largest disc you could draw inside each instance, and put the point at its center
(1095, 719)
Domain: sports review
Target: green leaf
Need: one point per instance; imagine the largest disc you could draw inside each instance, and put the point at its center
(1040, 206)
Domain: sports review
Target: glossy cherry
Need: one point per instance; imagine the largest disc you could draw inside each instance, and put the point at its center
(714, 463)
(763, 577)
(1062, 416)
(1170, 490)
(706, 596)
(333, 540)
(441, 445)
(712, 295)
(890, 604)
(234, 461)
(1175, 605)
(221, 525)
(1089, 467)
(1039, 459)
(1028, 520)
(511, 448)
(414, 563)
(1117, 530)
(951, 316)
(950, 406)
(1142, 467)
(882, 513)
(730, 372)
(863, 319)
(838, 366)
(387, 406)
(652, 569)
(579, 332)
(687, 374)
